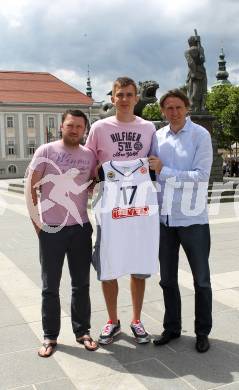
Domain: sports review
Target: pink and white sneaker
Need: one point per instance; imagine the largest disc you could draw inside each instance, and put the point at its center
(140, 334)
(108, 333)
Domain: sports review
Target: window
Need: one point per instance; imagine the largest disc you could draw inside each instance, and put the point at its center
(2, 171)
(10, 122)
(11, 147)
(30, 122)
(31, 149)
(12, 169)
(10, 150)
(51, 122)
(31, 146)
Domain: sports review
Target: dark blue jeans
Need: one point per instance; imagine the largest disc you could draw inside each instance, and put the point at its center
(195, 240)
(75, 242)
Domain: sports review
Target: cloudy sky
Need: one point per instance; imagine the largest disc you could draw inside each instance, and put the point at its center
(144, 39)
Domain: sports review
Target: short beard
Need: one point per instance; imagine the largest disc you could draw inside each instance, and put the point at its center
(72, 142)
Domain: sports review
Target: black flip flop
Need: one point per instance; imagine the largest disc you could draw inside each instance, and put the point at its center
(47, 346)
(84, 340)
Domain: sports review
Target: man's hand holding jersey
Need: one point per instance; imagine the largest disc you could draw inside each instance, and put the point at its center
(155, 164)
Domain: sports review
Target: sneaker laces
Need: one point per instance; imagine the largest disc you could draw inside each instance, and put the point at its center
(139, 328)
(107, 328)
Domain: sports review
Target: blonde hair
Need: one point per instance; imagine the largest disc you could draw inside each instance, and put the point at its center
(123, 82)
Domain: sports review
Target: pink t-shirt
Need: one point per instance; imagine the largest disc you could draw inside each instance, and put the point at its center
(63, 188)
(111, 139)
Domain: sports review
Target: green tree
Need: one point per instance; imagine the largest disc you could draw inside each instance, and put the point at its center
(223, 102)
(152, 112)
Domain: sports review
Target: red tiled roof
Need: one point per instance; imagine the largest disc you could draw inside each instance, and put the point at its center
(38, 87)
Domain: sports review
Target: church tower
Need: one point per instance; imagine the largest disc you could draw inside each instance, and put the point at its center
(222, 74)
(88, 84)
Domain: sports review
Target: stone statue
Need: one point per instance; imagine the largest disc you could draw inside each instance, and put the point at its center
(147, 94)
(197, 78)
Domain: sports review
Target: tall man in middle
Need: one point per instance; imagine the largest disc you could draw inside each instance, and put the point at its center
(122, 137)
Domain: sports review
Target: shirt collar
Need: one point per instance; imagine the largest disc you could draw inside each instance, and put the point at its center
(185, 128)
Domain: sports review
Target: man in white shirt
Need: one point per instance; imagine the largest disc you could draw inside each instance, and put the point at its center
(183, 165)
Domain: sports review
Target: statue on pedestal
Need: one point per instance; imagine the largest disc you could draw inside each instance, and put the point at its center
(197, 78)
(196, 84)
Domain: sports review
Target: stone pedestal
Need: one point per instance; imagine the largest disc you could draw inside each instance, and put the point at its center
(206, 120)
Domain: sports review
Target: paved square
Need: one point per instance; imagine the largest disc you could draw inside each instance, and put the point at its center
(124, 364)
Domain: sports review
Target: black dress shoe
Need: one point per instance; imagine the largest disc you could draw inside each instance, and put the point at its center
(202, 344)
(165, 337)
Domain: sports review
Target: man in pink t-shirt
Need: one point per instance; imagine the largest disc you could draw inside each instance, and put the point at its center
(122, 137)
(62, 171)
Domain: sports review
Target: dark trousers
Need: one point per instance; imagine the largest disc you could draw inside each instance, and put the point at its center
(195, 240)
(75, 242)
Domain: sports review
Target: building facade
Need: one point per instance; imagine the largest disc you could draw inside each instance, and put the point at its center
(31, 105)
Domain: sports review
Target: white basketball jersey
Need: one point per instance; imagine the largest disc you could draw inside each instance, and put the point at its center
(128, 216)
